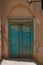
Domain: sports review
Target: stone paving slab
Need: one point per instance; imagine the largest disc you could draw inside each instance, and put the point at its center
(10, 62)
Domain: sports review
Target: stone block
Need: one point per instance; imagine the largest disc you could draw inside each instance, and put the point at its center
(0, 21)
(40, 55)
(0, 54)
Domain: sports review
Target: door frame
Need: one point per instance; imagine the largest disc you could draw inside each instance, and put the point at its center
(16, 21)
(6, 54)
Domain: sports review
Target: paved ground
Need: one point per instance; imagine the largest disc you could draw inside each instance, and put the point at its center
(18, 62)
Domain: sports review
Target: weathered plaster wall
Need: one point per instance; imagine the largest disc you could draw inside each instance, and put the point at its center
(0, 41)
(39, 14)
(8, 9)
(0, 33)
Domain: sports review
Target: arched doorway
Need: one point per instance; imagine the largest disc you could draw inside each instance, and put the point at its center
(20, 10)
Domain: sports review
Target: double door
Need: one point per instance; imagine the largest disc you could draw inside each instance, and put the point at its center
(20, 40)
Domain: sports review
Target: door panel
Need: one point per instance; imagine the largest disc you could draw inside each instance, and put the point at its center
(26, 40)
(14, 40)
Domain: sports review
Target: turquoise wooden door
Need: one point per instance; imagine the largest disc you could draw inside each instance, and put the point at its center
(14, 40)
(27, 40)
(20, 40)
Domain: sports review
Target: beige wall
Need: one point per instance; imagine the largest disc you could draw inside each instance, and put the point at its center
(0, 31)
(24, 9)
(0, 41)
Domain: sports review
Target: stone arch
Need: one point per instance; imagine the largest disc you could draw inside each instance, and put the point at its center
(21, 4)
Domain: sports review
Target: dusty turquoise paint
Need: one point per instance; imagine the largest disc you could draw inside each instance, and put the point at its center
(26, 40)
(20, 40)
(14, 41)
